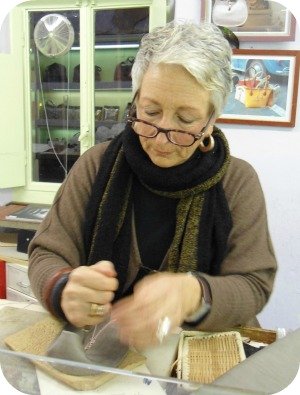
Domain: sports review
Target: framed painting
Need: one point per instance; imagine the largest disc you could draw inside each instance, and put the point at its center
(265, 20)
(264, 89)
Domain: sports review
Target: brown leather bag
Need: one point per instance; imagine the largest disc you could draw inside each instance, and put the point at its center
(76, 73)
(55, 72)
(123, 70)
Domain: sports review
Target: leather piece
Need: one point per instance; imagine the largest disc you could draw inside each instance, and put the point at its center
(106, 349)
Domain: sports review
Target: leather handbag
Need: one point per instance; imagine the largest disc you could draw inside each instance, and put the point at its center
(257, 97)
(55, 72)
(229, 13)
(254, 97)
(72, 112)
(51, 110)
(61, 111)
(123, 70)
(76, 73)
(254, 92)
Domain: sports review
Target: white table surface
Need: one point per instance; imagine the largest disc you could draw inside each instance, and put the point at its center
(159, 361)
(267, 371)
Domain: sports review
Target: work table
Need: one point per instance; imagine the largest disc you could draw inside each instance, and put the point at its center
(267, 371)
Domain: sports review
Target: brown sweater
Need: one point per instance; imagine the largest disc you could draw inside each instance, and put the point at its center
(247, 273)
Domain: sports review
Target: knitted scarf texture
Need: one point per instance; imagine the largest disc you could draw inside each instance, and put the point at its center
(203, 219)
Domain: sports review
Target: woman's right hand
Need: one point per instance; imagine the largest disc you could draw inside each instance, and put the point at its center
(87, 285)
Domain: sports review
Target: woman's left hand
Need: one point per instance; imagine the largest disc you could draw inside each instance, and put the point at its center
(159, 295)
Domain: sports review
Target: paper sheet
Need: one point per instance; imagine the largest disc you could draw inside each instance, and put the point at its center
(121, 385)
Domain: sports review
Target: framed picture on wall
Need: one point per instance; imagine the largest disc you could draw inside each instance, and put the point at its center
(265, 87)
(264, 21)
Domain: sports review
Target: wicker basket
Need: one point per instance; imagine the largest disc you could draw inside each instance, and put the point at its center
(203, 357)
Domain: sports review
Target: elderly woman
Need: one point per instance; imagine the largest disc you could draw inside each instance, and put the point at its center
(160, 227)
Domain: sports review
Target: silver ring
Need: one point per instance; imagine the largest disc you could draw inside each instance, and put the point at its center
(97, 310)
(163, 328)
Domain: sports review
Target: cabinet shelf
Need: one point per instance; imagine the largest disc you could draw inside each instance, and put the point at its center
(50, 154)
(113, 85)
(61, 123)
(57, 123)
(120, 39)
(75, 86)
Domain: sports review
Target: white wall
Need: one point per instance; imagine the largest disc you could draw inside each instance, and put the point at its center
(5, 196)
(275, 154)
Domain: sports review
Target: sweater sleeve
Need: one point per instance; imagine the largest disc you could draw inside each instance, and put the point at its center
(247, 275)
(58, 243)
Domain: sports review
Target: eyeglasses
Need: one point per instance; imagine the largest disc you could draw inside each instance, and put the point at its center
(175, 136)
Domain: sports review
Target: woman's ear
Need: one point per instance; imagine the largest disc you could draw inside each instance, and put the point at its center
(210, 124)
(132, 111)
(209, 129)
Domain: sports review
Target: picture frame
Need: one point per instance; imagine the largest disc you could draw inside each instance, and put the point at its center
(264, 89)
(267, 20)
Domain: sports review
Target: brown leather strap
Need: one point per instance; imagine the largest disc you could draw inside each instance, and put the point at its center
(206, 301)
(205, 288)
(49, 287)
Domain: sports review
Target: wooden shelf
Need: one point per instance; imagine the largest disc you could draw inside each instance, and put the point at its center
(57, 123)
(7, 223)
(75, 86)
(11, 255)
(61, 123)
(50, 153)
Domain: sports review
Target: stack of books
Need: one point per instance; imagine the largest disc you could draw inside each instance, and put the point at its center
(30, 213)
(22, 216)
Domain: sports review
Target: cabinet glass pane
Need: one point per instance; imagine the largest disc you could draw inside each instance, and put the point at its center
(55, 93)
(117, 36)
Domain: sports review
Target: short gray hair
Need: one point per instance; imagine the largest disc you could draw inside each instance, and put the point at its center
(201, 50)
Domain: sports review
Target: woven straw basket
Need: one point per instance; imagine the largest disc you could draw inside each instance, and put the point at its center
(203, 357)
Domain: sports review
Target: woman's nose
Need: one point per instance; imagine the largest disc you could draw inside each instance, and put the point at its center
(161, 138)
(165, 124)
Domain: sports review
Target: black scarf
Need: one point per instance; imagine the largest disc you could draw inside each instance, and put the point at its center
(203, 219)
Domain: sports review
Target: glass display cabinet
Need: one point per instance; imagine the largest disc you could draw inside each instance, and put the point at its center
(76, 63)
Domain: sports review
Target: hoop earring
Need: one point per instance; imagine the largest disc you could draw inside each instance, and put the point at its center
(210, 143)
